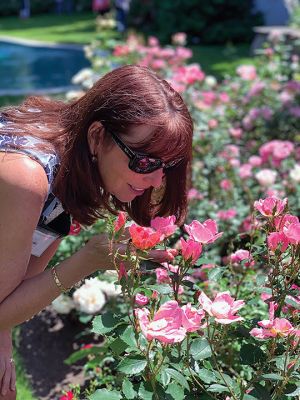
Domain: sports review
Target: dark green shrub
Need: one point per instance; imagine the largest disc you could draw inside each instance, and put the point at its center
(13, 7)
(213, 21)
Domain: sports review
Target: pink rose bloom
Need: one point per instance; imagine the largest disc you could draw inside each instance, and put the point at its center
(179, 38)
(276, 151)
(277, 241)
(68, 396)
(284, 221)
(256, 88)
(271, 206)
(193, 194)
(223, 308)
(266, 177)
(144, 238)
(236, 132)
(273, 327)
(166, 325)
(241, 255)
(212, 123)
(162, 275)
(190, 250)
(165, 225)
(245, 171)
(247, 72)
(224, 97)
(120, 221)
(206, 232)
(226, 184)
(191, 318)
(255, 161)
(226, 214)
(153, 41)
(141, 300)
(292, 232)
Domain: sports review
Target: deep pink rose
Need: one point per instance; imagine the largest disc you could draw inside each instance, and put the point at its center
(271, 206)
(206, 232)
(190, 250)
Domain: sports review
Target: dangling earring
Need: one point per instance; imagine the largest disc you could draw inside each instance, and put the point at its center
(94, 159)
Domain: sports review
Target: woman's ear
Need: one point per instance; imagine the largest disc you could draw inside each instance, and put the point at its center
(95, 137)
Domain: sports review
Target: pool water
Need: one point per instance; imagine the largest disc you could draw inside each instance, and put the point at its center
(29, 69)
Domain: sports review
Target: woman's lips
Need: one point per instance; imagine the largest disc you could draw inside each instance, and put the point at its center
(136, 191)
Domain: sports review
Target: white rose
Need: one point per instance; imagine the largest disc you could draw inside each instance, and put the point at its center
(89, 298)
(63, 304)
(110, 289)
(295, 173)
(210, 81)
(266, 177)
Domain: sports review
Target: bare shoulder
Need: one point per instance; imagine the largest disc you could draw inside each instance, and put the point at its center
(21, 175)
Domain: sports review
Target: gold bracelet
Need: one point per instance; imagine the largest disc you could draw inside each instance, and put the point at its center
(58, 282)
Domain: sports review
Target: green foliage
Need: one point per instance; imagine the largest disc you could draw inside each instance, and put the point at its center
(215, 21)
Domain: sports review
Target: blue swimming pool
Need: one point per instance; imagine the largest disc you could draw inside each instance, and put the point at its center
(33, 68)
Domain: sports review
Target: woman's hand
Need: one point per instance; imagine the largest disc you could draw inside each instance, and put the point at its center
(99, 252)
(7, 366)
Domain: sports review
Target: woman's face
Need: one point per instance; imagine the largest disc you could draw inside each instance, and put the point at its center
(118, 178)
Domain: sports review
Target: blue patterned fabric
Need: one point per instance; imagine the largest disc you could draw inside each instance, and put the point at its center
(49, 161)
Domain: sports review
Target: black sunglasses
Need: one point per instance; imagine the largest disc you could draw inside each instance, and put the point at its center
(142, 163)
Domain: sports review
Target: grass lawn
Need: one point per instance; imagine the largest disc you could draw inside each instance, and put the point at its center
(80, 28)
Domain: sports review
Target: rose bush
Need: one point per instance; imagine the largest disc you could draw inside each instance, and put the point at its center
(222, 320)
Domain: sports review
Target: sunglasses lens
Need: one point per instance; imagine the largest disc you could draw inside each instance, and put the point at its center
(144, 164)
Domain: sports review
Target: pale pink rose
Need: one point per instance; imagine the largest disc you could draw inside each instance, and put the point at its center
(162, 275)
(224, 97)
(153, 41)
(236, 132)
(247, 72)
(120, 221)
(226, 214)
(276, 151)
(241, 255)
(265, 296)
(206, 232)
(273, 326)
(193, 194)
(230, 151)
(212, 123)
(223, 308)
(166, 325)
(226, 184)
(266, 177)
(190, 250)
(184, 53)
(245, 171)
(277, 241)
(256, 88)
(255, 161)
(158, 64)
(235, 163)
(191, 318)
(292, 232)
(165, 225)
(271, 206)
(141, 299)
(179, 38)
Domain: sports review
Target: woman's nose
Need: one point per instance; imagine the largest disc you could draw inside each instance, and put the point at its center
(155, 178)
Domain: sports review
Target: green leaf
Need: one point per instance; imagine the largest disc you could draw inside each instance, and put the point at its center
(165, 377)
(104, 323)
(249, 397)
(204, 260)
(104, 394)
(207, 376)
(128, 390)
(273, 377)
(80, 354)
(175, 391)
(251, 354)
(118, 346)
(292, 302)
(261, 279)
(216, 273)
(294, 393)
(145, 391)
(216, 388)
(178, 377)
(200, 349)
(132, 365)
(128, 336)
(260, 392)
(162, 289)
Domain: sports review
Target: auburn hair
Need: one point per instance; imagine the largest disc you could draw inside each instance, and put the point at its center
(128, 96)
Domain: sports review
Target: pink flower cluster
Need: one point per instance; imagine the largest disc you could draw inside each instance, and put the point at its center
(242, 255)
(171, 322)
(273, 327)
(275, 151)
